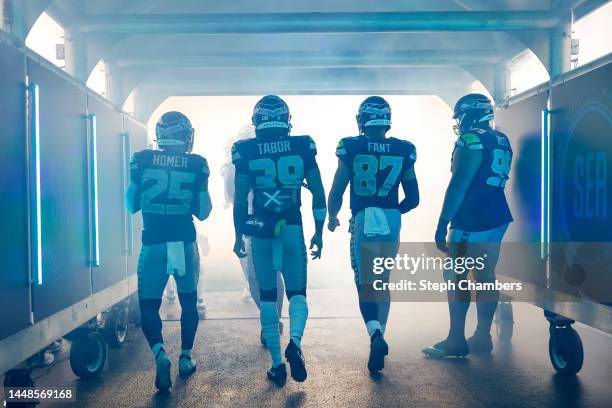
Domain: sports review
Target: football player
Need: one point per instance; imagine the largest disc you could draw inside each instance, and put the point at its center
(374, 165)
(272, 166)
(169, 186)
(475, 206)
(246, 263)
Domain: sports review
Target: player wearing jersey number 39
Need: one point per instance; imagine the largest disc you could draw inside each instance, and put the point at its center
(273, 166)
(374, 165)
(169, 186)
(476, 208)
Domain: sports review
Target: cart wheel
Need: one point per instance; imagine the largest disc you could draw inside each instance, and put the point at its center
(116, 326)
(17, 379)
(504, 322)
(565, 350)
(88, 355)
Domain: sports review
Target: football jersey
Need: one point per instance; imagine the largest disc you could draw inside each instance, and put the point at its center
(169, 186)
(484, 206)
(276, 168)
(376, 167)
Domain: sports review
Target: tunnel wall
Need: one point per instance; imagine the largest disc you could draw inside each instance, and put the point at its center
(66, 207)
(580, 169)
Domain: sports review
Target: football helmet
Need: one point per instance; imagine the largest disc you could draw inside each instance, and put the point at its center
(472, 110)
(373, 111)
(271, 112)
(174, 129)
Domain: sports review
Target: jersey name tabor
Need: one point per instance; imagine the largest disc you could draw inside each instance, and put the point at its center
(281, 146)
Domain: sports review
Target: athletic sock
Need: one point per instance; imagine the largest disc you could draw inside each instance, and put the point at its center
(298, 315)
(158, 350)
(458, 311)
(485, 312)
(186, 353)
(268, 316)
(372, 326)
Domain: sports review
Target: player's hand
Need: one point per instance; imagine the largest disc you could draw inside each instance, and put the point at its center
(333, 223)
(440, 236)
(316, 241)
(239, 248)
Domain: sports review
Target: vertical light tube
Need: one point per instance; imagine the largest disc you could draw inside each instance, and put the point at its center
(93, 155)
(545, 191)
(35, 202)
(129, 227)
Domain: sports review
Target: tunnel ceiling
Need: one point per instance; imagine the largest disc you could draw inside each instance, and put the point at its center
(160, 48)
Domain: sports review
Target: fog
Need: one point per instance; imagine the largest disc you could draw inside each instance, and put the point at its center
(423, 120)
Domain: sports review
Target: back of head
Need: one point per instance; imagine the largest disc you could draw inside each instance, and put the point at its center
(472, 111)
(374, 113)
(271, 117)
(173, 131)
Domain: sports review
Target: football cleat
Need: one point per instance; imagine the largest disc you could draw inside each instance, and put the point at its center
(186, 366)
(174, 129)
(296, 362)
(373, 111)
(378, 350)
(448, 348)
(278, 375)
(162, 372)
(480, 343)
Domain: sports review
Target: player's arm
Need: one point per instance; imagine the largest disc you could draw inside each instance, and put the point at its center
(466, 162)
(334, 201)
(132, 201)
(132, 194)
(411, 191)
(205, 202)
(319, 209)
(241, 211)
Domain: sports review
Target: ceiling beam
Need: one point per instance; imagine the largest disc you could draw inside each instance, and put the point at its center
(310, 59)
(340, 22)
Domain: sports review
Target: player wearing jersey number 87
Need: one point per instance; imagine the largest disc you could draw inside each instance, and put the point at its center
(476, 208)
(374, 165)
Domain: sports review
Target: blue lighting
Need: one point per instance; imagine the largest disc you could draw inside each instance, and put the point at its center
(36, 217)
(545, 185)
(95, 261)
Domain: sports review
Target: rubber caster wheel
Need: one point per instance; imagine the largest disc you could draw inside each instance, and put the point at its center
(565, 350)
(17, 379)
(504, 322)
(116, 324)
(88, 355)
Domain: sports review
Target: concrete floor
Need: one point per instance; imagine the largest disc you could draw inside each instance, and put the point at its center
(232, 363)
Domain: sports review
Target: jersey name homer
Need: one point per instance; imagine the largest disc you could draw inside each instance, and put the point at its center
(169, 186)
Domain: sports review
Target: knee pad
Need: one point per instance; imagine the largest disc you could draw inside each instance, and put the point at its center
(267, 295)
(292, 293)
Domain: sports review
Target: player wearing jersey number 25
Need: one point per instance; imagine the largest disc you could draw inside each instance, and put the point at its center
(169, 186)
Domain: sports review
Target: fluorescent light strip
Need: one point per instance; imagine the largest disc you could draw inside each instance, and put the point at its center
(36, 219)
(94, 190)
(545, 185)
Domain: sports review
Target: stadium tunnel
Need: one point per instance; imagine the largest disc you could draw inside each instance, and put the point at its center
(83, 82)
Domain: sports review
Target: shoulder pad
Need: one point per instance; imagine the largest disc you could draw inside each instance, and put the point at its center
(307, 140)
(470, 140)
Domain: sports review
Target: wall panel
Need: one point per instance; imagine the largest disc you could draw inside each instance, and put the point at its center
(14, 275)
